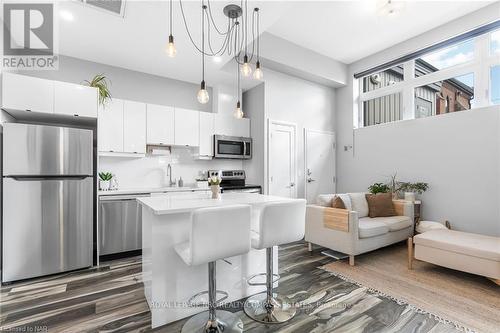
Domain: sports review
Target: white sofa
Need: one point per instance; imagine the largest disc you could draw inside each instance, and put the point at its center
(350, 230)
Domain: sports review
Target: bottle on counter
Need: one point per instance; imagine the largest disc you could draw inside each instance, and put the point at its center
(181, 182)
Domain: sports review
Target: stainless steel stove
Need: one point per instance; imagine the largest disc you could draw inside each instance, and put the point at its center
(234, 181)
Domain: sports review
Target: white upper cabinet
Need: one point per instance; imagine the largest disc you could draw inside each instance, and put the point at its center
(229, 125)
(21, 92)
(207, 127)
(134, 127)
(160, 124)
(110, 126)
(187, 127)
(75, 99)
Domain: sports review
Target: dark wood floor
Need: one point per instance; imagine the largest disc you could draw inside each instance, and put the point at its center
(111, 299)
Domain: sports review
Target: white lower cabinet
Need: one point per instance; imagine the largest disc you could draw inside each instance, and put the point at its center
(75, 99)
(110, 127)
(207, 131)
(187, 127)
(134, 127)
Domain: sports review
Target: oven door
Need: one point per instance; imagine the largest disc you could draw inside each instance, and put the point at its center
(229, 147)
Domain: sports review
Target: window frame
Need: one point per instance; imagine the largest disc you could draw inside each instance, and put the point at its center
(479, 66)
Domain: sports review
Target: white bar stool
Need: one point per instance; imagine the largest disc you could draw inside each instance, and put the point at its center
(216, 233)
(276, 224)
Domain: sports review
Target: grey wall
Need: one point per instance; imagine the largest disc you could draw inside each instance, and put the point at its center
(287, 98)
(127, 84)
(457, 154)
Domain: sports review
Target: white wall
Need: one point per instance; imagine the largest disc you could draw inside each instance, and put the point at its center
(290, 99)
(151, 171)
(457, 154)
(128, 84)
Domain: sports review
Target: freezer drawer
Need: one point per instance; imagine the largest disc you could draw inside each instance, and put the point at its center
(47, 226)
(120, 226)
(39, 150)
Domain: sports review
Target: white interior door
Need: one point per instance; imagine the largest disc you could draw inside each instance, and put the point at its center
(319, 163)
(281, 159)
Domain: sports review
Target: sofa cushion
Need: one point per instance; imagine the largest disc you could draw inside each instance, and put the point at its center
(476, 245)
(394, 223)
(325, 200)
(337, 202)
(380, 205)
(368, 227)
(359, 203)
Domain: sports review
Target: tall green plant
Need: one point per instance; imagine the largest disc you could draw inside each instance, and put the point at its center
(101, 83)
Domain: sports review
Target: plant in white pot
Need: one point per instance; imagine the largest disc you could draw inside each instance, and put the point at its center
(412, 189)
(214, 183)
(105, 180)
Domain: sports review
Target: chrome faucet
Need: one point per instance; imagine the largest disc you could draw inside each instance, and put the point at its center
(169, 173)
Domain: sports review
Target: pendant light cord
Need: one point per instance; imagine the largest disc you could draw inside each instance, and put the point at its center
(203, 40)
(170, 17)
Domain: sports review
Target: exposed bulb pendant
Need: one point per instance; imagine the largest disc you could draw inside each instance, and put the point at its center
(258, 74)
(171, 50)
(202, 95)
(238, 113)
(246, 70)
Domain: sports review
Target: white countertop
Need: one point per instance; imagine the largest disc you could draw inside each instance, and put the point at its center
(147, 190)
(183, 204)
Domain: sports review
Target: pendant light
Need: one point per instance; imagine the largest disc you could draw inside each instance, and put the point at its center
(171, 50)
(246, 69)
(202, 95)
(238, 113)
(258, 74)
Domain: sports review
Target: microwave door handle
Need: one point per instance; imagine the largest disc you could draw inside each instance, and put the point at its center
(244, 149)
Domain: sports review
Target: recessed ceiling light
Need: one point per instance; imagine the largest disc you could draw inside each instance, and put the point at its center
(66, 15)
(217, 59)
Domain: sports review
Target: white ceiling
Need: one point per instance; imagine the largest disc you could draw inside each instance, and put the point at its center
(350, 30)
(345, 31)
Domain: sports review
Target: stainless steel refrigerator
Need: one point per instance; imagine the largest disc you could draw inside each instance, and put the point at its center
(47, 200)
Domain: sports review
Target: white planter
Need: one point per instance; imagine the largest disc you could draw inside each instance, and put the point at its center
(104, 185)
(215, 191)
(410, 196)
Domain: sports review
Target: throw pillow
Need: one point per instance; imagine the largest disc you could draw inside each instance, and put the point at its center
(359, 204)
(338, 203)
(380, 205)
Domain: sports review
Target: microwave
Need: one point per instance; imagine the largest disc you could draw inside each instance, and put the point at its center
(234, 147)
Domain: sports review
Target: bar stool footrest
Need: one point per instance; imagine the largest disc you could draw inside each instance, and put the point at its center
(218, 302)
(276, 277)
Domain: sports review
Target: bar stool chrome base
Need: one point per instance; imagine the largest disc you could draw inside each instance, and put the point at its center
(225, 321)
(279, 310)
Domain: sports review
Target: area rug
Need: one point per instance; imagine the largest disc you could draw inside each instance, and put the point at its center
(466, 300)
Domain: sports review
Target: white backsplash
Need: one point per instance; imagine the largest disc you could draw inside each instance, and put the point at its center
(150, 171)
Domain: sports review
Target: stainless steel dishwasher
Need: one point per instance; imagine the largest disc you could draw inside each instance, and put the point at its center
(120, 223)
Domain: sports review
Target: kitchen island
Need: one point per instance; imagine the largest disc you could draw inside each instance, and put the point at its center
(168, 281)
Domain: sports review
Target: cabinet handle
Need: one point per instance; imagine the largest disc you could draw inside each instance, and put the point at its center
(75, 115)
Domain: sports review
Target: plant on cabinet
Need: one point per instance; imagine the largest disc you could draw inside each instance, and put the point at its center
(214, 183)
(101, 83)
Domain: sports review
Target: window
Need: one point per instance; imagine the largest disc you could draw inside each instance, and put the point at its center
(495, 42)
(453, 78)
(383, 109)
(451, 95)
(445, 58)
(495, 85)
(382, 79)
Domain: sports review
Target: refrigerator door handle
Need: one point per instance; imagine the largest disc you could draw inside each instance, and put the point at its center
(39, 178)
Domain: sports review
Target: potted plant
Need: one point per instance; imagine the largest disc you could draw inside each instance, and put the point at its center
(101, 83)
(379, 188)
(105, 180)
(411, 189)
(214, 183)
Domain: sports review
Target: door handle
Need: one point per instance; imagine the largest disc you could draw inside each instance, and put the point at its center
(310, 180)
(292, 184)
